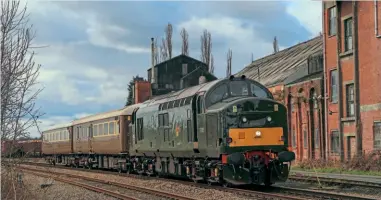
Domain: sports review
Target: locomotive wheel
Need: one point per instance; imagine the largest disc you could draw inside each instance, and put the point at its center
(209, 183)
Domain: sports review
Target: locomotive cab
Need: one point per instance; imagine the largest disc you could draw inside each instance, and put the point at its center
(253, 133)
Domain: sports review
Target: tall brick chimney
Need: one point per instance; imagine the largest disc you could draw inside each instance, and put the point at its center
(152, 61)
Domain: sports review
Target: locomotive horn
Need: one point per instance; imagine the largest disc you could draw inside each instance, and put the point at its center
(243, 77)
(231, 77)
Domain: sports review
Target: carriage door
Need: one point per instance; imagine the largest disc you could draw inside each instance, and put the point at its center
(90, 137)
(78, 139)
(200, 121)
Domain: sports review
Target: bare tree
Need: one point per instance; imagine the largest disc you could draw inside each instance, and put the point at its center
(206, 47)
(163, 50)
(19, 89)
(211, 70)
(185, 45)
(168, 35)
(229, 63)
(19, 73)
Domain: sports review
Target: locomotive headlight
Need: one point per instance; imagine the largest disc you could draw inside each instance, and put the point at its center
(244, 120)
(269, 119)
(258, 134)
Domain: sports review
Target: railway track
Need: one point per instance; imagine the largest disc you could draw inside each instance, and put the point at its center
(335, 181)
(274, 192)
(114, 189)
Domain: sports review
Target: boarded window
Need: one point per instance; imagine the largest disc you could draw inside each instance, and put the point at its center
(335, 142)
(317, 138)
(305, 138)
(377, 135)
(293, 138)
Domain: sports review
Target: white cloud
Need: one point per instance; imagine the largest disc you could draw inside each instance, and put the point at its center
(61, 76)
(237, 35)
(110, 36)
(308, 13)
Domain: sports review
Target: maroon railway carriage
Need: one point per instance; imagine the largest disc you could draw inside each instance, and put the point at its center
(21, 148)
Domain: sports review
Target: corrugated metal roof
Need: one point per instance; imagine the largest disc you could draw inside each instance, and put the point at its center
(275, 68)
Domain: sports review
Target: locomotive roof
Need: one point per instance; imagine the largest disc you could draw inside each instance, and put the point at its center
(187, 92)
(124, 111)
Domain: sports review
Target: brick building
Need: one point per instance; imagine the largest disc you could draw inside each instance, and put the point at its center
(352, 60)
(295, 77)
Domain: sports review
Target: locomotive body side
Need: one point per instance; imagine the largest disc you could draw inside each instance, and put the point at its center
(204, 139)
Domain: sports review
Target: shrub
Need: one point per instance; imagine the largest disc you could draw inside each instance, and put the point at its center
(369, 162)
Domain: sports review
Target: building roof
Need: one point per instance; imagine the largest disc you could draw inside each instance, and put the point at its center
(275, 68)
(176, 57)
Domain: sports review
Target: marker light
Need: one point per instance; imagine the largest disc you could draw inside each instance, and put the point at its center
(258, 134)
(229, 140)
(269, 119)
(244, 120)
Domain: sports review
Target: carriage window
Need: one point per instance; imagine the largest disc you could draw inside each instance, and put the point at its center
(100, 129)
(117, 128)
(95, 130)
(218, 94)
(239, 88)
(105, 129)
(258, 91)
(111, 130)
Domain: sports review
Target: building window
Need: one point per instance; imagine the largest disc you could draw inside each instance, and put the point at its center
(377, 135)
(185, 69)
(348, 34)
(334, 85)
(350, 100)
(335, 145)
(317, 138)
(332, 21)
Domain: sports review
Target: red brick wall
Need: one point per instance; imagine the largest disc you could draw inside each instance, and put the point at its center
(301, 118)
(142, 91)
(370, 70)
(369, 56)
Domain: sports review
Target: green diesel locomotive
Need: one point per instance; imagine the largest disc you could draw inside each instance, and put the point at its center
(229, 131)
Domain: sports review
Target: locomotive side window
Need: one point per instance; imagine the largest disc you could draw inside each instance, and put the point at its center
(218, 94)
(239, 88)
(258, 91)
(140, 129)
(189, 130)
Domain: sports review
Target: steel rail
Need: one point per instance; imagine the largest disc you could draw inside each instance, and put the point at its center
(122, 185)
(277, 193)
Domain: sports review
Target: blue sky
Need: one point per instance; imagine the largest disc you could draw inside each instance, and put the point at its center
(94, 48)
